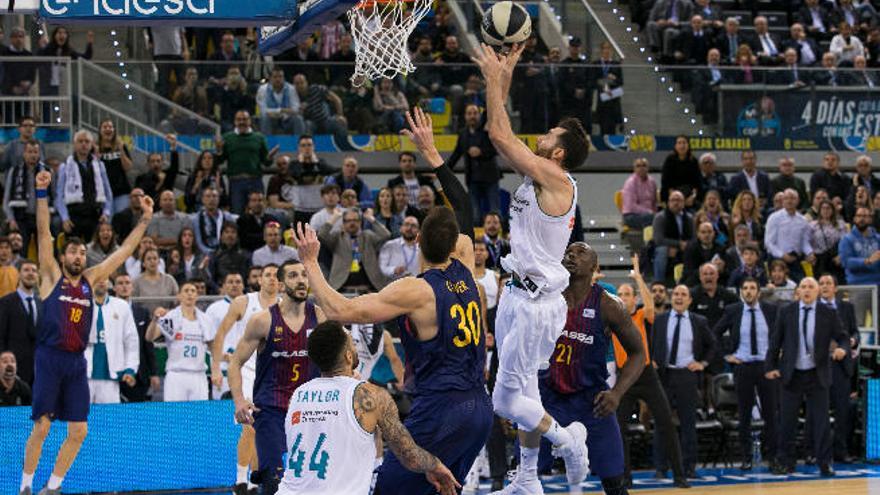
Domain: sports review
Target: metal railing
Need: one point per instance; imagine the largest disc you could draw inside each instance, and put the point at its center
(35, 96)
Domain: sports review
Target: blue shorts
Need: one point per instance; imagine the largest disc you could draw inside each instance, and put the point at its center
(271, 441)
(453, 426)
(61, 385)
(604, 441)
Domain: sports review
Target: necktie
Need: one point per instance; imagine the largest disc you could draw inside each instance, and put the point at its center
(794, 70)
(30, 309)
(100, 324)
(753, 332)
(673, 353)
(771, 48)
(808, 346)
(732, 47)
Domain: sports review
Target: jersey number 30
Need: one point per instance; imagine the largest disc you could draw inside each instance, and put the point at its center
(298, 457)
(469, 321)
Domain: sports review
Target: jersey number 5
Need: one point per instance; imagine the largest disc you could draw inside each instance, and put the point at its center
(468, 323)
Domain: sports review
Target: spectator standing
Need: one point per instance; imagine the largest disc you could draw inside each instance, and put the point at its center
(660, 295)
(845, 45)
(13, 390)
(245, 152)
(344, 57)
(453, 65)
(229, 257)
(827, 231)
(409, 178)
(113, 352)
(710, 178)
(308, 172)
(153, 283)
(348, 178)
(389, 104)
(279, 191)
(273, 252)
(168, 45)
(317, 100)
(53, 74)
(20, 313)
(279, 106)
(830, 178)
(225, 56)
(706, 79)
(252, 222)
(788, 236)
(709, 299)
(206, 174)
(103, 244)
(231, 96)
(609, 90)
(756, 181)
(13, 153)
(166, 226)
(576, 91)
(750, 267)
(481, 169)
(746, 212)
(83, 197)
(355, 264)
(147, 378)
(639, 196)
(680, 172)
(860, 251)
(209, 221)
(399, 257)
(673, 228)
(18, 78)
(787, 180)
(699, 251)
(125, 220)
(157, 178)
(186, 262)
(117, 160)
(20, 192)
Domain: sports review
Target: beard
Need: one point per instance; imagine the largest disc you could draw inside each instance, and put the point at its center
(73, 269)
(292, 293)
(543, 153)
(408, 237)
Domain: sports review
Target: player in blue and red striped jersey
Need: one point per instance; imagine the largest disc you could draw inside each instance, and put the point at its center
(61, 389)
(280, 337)
(574, 387)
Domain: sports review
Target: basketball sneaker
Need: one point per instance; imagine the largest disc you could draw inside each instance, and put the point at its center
(522, 484)
(25, 491)
(577, 465)
(47, 491)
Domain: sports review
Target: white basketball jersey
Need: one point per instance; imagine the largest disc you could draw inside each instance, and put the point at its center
(253, 307)
(185, 340)
(369, 340)
(538, 241)
(328, 450)
(490, 287)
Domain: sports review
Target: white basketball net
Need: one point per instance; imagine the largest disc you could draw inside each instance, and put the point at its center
(381, 29)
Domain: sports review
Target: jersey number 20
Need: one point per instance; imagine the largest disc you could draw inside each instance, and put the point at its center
(469, 321)
(298, 457)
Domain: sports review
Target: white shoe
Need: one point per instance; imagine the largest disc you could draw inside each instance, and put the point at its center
(472, 481)
(577, 465)
(522, 485)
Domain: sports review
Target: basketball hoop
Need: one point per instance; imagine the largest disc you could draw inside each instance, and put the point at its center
(380, 29)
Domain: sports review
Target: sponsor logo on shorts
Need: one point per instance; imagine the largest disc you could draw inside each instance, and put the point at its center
(178, 336)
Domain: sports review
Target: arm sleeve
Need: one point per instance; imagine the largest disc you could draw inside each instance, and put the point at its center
(770, 239)
(848, 257)
(458, 198)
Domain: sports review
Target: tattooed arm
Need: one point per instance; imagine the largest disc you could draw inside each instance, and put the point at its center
(375, 409)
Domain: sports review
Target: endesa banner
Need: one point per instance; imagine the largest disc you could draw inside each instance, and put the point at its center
(184, 12)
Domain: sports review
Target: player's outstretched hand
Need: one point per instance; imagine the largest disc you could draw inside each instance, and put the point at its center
(44, 178)
(488, 61)
(244, 411)
(421, 129)
(442, 479)
(605, 403)
(147, 208)
(307, 244)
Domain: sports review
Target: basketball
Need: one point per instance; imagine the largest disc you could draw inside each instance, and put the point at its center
(506, 23)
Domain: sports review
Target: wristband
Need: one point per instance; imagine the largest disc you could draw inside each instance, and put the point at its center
(42, 193)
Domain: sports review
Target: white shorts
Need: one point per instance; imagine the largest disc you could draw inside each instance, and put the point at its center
(185, 386)
(248, 377)
(526, 330)
(103, 391)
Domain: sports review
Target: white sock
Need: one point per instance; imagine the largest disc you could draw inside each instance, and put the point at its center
(575, 490)
(27, 481)
(528, 461)
(241, 474)
(558, 436)
(54, 482)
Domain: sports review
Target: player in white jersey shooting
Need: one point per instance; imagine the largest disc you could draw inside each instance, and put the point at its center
(331, 422)
(228, 334)
(532, 315)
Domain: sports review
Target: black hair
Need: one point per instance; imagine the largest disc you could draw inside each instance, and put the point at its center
(746, 280)
(268, 265)
(438, 235)
(406, 153)
(283, 268)
(326, 344)
(575, 142)
(71, 241)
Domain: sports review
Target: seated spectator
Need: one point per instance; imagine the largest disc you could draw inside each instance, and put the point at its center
(713, 213)
(846, 46)
(745, 72)
(733, 258)
(807, 49)
(245, 152)
(875, 207)
(693, 43)
(185, 260)
(279, 191)
(305, 59)
(860, 75)
(20, 192)
(860, 251)
(819, 195)
(117, 160)
(711, 14)
(134, 263)
(389, 105)
(355, 253)
(817, 19)
(209, 221)
(475, 94)
(777, 201)
(330, 196)
(113, 350)
(317, 101)
(830, 178)
(788, 236)
(729, 42)
(273, 252)
(152, 282)
(193, 96)
(401, 201)
(168, 223)
(82, 190)
(308, 172)
(225, 55)
(710, 178)
(864, 176)
(790, 74)
(751, 267)
(17, 244)
(440, 28)
(673, 228)
(103, 245)
(124, 221)
(787, 180)
(639, 196)
(348, 178)
(386, 213)
(252, 222)
(279, 106)
(481, 170)
(8, 271)
(423, 83)
(700, 250)
(828, 75)
(158, 179)
(857, 198)
(409, 178)
(752, 179)
(399, 257)
(766, 43)
(231, 96)
(872, 45)
(779, 276)
(828, 229)
(665, 21)
(427, 200)
(13, 390)
(348, 199)
(453, 65)
(229, 258)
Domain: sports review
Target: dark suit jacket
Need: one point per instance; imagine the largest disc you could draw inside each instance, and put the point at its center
(722, 43)
(790, 43)
(857, 78)
(704, 341)
(18, 333)
(739, 183)
(727, 329)
(847, 314)
(784, 75)
(804, 17)
(694, 47)
(786, 338)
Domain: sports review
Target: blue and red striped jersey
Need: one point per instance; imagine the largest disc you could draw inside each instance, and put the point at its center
(283, 363)
(67, 316)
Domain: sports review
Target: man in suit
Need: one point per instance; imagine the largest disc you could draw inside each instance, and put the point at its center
(828, 75)
(577, 85)
(19, 313)
(807, 336)
(790, 74)
(665, 21)
(859, 75)
(766, 45)
(355, 252)
(816, 19)
(841, 371)
(682, 347)
(705, 81)
(752, 179)
(728, 42)
(743, 334)
(693, 43)
(673, 228)
(808, 50)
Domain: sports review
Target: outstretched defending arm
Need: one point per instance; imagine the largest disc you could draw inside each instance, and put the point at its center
(49, 270)
(103, 270)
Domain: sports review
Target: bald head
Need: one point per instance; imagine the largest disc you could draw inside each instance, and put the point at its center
(808, 290)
